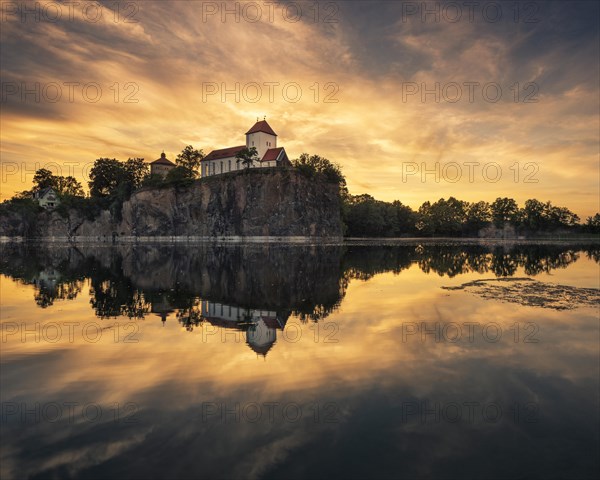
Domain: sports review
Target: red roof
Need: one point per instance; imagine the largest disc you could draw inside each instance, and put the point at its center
(272, 322)
(224, 153)
(163, 160)
(271, 154)
(261, 126)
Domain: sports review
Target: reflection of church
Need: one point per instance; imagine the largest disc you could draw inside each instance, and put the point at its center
(162, 307)
(260, 325)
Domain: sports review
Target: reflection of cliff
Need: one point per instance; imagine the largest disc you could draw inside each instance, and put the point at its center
(272, 277)
(307, 281)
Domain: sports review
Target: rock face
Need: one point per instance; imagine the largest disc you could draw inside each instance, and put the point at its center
(254, 203)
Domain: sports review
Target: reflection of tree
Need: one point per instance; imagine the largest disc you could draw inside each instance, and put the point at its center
(64, 290)
(113, 298)
(190, 316)
(309, 282)
(503, 264)
(593, 254)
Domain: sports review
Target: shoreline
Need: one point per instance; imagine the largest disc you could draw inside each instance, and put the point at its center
(289, 240)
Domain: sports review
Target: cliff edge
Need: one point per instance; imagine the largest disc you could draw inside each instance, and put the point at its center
(277, 202)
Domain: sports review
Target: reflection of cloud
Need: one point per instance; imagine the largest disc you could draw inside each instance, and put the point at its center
(368, 375)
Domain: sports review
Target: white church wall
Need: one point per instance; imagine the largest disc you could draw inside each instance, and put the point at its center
(261, 141)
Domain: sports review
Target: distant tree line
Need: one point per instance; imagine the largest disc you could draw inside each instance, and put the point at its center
(364, 216)
(113, 181)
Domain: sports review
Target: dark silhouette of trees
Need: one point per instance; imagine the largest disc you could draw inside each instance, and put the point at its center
(504, 211)
(366, 217)
(64, 186)
(313, 165)
(189, 161)
(105, 177)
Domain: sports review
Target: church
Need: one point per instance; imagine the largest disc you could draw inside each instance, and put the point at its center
(262, 137)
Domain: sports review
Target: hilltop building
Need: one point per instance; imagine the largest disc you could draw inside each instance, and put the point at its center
(262, 137)
(47, 198)
(161, 166)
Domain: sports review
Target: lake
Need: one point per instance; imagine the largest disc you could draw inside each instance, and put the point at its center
(423, 359)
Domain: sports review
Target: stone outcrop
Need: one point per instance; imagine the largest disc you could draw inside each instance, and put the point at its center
(276, 203)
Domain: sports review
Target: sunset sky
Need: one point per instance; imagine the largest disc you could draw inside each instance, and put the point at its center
(162, 68)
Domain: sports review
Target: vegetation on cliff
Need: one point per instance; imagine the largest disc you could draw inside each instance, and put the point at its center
(112, 182)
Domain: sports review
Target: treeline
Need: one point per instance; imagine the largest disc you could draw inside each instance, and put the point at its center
(366, 217)
(113, 181)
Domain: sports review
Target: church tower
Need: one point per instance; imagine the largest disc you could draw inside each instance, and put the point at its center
(262, 137)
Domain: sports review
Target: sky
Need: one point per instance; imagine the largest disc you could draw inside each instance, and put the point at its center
(415, 100)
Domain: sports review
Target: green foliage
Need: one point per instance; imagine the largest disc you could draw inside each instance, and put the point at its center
(444, 217)
(178, 176)
(64, 186)
(153, 180)
(21, 212)
(592, 224)
(366, 217)
(88, 207)
(105, 177)
(136, 171)
(68, 187)
(43, 178)
(247, 156)
(479, 216)
(537, 216)
(312, 165)
(112, 182)
(504, 211)
(189, 160)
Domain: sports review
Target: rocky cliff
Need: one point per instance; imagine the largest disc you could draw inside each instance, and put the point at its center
(254, 203)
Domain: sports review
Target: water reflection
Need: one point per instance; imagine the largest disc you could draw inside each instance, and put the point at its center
(308, 281)
(253, 290)
(376, 404)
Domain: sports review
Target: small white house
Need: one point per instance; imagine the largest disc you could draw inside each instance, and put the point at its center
(262, 137)
(47, 198)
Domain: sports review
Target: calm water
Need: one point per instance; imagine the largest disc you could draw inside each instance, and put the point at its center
(300, 362)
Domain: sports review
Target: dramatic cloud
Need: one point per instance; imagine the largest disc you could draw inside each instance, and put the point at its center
(387, 90)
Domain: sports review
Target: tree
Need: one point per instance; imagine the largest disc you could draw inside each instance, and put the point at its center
(479, 215)
(592, 224)
(504, 210)
(560, 217)
(178, 175)
(43, 178)
(153, 180)
(534, 215)
(315, 164)
(105, 177)
(444, 217)
(136, 171)
(247, 156)
(190, 160)
(64, 186)
(68, 186)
